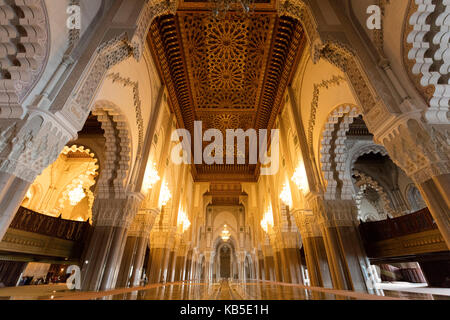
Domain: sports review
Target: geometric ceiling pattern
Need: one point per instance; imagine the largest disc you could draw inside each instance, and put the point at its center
(229, 73)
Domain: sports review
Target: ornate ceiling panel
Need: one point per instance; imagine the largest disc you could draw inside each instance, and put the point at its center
(229, 73)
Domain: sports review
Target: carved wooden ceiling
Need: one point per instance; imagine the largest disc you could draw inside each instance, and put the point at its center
(229, 73)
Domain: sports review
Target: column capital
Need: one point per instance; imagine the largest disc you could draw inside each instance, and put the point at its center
(422, 150)
(306, 223)
(143, 222)
(30, 145)
(333, 213)
(117, 212)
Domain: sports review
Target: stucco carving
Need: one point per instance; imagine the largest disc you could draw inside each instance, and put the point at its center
(334, 152)
(126, 82)
(24, 51)
(113, 178)
(364, 181)
(28, 146)
(431, 54)
(421, 151)
(117, 212)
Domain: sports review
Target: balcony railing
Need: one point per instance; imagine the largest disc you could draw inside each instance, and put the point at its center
(28, 220)
(416, 222)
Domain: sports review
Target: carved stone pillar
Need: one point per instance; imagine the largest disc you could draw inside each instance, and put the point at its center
(291, 260)
(276, 253)
(27, 147)
(241, 264)
(161, 242)
(209, 256)
(112, 218)
(269, 263)
(314, 246)
(135, 247)
(188, 268)
(345, 252)
(261, 267)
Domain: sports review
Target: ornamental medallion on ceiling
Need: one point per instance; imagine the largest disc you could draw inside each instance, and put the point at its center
(229, 73)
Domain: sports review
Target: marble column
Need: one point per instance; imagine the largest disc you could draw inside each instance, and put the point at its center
(287, 242)
(155, 268)
(261, 266)
(112, 218)
(345, 252)
(161, 251)
(12, 192)
(27, 146)
(269, 263)
(435, 192)
(314, 247)
(135, 248)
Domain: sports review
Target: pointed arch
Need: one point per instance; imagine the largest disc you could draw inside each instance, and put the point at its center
(116, 170)
(333, 152)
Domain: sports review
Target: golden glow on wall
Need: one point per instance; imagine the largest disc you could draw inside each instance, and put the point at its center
(76, 195)
(300, 178)
(165, 195)
(285, 195)
(151, 177)
(225, 235)
(267, 220)
(65, 188)
(183, 220)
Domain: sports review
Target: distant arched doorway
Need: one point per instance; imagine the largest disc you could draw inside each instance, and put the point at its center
(225, 262)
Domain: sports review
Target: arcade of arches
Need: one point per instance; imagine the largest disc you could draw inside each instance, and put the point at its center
(359, 193)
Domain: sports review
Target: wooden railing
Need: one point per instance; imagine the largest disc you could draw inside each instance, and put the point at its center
(411, 235)
(416, 222)
(28, 220)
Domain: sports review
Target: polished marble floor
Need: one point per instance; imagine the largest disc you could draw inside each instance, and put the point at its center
(260, 291)
(216, 291)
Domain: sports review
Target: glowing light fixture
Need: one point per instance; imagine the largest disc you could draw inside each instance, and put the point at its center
(164, 195)
(151, 177)
(285, 195)
(300, 179)
(76, 195)
(225, 235)
(183, 220)
(267, 219)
